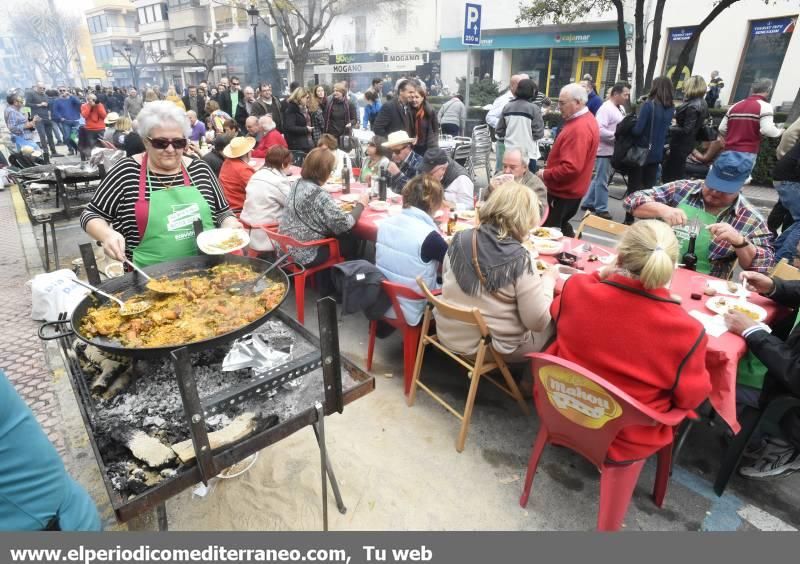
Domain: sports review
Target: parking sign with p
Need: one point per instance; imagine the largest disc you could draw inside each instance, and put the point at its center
(472, 25)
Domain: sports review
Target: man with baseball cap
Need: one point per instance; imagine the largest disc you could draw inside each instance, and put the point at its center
(459, 189)
(405, 164)
(730, 228)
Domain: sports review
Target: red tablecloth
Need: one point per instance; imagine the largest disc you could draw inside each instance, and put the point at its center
(722, 354)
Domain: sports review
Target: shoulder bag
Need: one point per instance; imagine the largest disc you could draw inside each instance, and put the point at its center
(637, 156)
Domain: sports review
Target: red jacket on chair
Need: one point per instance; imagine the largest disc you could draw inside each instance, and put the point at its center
(639, 340)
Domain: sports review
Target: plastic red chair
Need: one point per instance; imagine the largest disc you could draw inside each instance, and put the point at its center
(249, 228)
(583, 412)
(283, 242)
(410, 332)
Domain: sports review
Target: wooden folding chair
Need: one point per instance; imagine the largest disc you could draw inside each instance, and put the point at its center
(486, 360)
(785, 271)
(600, 224)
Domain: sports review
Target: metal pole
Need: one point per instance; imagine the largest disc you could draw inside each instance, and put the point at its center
(258, 62)
(467, 80)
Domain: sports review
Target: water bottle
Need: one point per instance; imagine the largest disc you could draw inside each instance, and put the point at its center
(382, 188)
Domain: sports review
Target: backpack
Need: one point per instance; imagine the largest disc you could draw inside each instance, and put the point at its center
(623, 141)
(358, 288)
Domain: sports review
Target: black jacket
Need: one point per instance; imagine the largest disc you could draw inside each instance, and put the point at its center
(295, 126)
(393, 117)
(261, 108)
(782, 358)
(214, 160)
(240, 116)
(428, 133)
(689, 118)
(337, 115)
(788, 168)
(201, 107)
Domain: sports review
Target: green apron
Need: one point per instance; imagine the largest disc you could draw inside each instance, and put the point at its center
(166, 220)
(751, 371)
(703, 244)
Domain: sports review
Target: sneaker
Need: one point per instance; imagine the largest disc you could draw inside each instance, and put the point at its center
(587, 208)
(604, 215)
(766, 446)
(774, 464)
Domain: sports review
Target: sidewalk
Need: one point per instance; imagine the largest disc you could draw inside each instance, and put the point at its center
(21, 352)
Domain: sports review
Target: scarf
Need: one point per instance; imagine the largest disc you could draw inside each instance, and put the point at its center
(501, 261)
(422, 120)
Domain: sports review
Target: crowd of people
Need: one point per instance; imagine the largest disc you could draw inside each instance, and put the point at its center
(486, 266)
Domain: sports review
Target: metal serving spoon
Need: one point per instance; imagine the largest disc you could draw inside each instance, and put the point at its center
(125, 309)
(251, 285)
(152, 284)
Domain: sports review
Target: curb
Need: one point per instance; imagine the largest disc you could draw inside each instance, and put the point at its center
(30, 247)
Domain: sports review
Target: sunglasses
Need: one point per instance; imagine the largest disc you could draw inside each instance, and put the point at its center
(398, 151)
(161, 143)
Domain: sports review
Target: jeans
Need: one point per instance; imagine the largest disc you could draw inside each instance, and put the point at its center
(533, 166)
(67, 127)
(786, 244)
(597, 197)
(451, 129)
(45, 129)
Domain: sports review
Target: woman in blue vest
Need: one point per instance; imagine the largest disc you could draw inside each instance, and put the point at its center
(36, 493)
(409, 243)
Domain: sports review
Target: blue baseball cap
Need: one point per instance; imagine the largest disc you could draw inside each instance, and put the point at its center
(730, 171)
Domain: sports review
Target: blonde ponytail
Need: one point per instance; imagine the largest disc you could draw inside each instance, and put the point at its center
(649, 250)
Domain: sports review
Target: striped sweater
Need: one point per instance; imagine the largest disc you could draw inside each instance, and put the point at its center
(745, 123)
(116, 196)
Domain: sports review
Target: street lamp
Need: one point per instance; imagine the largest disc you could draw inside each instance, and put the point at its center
(254, 15)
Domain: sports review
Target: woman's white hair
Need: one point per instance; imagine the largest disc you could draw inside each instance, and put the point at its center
(160, 114)
(577, 92)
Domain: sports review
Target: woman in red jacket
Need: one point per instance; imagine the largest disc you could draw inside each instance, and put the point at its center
(624, 326)
(94, 113)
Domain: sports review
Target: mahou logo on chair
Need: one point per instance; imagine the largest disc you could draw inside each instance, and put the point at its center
(578, 399)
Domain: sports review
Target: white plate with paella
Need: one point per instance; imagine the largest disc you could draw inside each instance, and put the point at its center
(724, 304)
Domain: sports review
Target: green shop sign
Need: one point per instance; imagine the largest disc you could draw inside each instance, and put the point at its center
(489, 40)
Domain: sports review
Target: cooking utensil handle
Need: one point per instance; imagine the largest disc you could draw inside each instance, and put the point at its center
(59, 325)
(271, 267)
(137, 269)
(98, 291)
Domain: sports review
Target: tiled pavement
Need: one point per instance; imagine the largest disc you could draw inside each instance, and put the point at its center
(21, 352)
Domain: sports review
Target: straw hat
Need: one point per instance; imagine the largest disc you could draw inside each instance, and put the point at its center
(112, 118)
(238, 147)
(398, 138)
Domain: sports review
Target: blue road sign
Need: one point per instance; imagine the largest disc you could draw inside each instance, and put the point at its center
(472, 25)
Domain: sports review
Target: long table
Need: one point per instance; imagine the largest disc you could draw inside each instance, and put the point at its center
(722, 354)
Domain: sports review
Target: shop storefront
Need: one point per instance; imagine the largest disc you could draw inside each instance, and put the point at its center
(551, 55)
(360, 68)
(764, 52)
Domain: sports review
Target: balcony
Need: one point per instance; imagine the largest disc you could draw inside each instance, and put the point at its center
(197, 17)
(154, 27)
(116, 32)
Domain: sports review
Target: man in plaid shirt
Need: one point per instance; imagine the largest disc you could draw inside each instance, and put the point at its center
(738, 232)
(405, 163)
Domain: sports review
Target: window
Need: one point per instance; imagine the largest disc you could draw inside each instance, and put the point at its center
(152, 13)
(103, 54)
(181, 36)
(676, 40)
(157, 46)
(97, 24)
(223, 15)
(763, 53)
(361, 33)
(562, 69)
(183, 4)
(533, 62)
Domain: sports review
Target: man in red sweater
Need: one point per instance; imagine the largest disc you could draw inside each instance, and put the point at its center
(568, 172)
(271, 137)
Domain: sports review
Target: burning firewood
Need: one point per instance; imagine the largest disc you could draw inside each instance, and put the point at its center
(148, 449)
(106, 367)
(238, 429)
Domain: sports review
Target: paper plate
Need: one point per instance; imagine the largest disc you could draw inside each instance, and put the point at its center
(549, 233)
(222, 241)
(723, 304)
(547, 247)
(379, 205)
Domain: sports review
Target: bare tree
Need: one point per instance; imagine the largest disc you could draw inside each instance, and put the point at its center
(655, 40)
(303, 23)
(49, 37)
(207, 52)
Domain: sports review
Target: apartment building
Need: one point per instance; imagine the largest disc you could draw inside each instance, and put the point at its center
(114, 32)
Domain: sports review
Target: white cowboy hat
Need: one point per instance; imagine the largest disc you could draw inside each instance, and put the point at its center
(238, 147)
(398, 138)
(112, 118)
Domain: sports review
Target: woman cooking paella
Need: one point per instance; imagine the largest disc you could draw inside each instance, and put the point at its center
(146, 206)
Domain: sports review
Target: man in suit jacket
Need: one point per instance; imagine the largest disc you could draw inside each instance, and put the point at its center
(196, 102)
(266, 103)
(232, 103)
(395, 115)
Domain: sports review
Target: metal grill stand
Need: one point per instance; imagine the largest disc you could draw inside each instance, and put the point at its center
(207, 462)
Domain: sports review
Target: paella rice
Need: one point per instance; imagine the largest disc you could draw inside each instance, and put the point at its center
(202, 309)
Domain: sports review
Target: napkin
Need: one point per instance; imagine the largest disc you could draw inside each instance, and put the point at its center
(714, 324)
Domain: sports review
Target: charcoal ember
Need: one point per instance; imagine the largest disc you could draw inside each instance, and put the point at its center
(278, 336)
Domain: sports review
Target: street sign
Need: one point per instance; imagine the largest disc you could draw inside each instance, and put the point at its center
(472, 25)
(109, 73)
